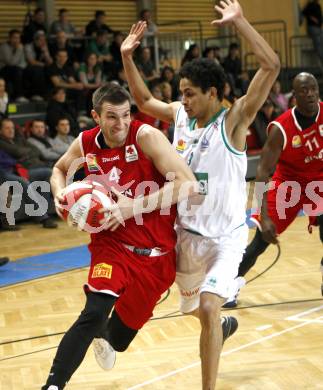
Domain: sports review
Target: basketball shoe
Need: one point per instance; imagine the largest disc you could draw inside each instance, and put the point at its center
(233, 300)
(105, 355)
(229, 326)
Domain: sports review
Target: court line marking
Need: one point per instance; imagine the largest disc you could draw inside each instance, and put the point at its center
(255, 342)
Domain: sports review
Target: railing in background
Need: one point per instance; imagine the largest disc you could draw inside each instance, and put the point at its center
(171, 45)
(302, 52)
(275, 33)
(222, 42)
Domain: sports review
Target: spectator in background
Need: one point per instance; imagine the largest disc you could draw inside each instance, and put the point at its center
(154, 88)
(228, 96)
(233, 68)
(264, 116)
(63, 140)
(61, 43)
(118, 38)
(210, 53)
(166, 90)
(90, 75)
(7, 164)
(151, 30)
(146, 66)
(42, 142)
(100, 46)
(313, 14)
(278, 99)
(12, 65)
(4, 99)
(62, 75)
(292, 101)
(63, 24)
(37, 56)
(97, 24)
(192, 53)
(36, 23)
(58, 108)
(168, 74)
(34, 169)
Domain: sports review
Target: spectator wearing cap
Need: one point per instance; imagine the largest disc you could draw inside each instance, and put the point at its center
(36, 23)
(98, 23)
(31, 167)
(12, 64)
(63, 24)
(38, 57)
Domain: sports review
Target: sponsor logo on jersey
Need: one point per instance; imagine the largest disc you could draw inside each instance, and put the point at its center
(180, 124)
(92, 163)
(181, 146)
(102, 270)
(131, 153)
(108, 159)
(296, 141)
(204, 144)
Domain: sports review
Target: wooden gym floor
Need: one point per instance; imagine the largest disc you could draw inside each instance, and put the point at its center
(278, 345)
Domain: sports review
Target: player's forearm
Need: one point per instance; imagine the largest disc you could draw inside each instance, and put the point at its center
(266, 56)
(262, 179)
(171, 193)
(57, 180)
(137, 87)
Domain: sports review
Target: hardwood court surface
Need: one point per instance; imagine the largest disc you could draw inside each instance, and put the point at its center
(278, 345)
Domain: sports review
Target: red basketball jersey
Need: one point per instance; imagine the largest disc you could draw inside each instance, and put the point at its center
(302, 156)
(128, 169)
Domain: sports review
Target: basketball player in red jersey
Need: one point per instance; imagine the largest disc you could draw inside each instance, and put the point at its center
(131, 265)
(295, 144)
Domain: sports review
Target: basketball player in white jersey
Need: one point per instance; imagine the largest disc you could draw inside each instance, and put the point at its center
(212, 140)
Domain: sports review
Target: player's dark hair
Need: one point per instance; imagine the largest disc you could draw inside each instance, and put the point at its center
(112, 93)
(204, 73)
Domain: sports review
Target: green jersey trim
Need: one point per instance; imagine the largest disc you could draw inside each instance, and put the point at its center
(227, 143)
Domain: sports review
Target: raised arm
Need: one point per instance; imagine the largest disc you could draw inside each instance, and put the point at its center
(269, 158)
(141, 94)
(245, 109)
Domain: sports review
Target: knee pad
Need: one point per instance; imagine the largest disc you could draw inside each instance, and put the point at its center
(119, 334)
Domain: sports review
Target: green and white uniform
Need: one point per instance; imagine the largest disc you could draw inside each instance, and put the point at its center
(212, 236)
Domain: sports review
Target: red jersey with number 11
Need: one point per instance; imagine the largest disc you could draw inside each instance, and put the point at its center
(302, 156)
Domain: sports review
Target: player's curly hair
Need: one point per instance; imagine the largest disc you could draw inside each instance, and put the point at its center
(204, 73)
(112, 93)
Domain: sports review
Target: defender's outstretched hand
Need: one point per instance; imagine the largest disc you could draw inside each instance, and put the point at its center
(230, 11)
(130, 44)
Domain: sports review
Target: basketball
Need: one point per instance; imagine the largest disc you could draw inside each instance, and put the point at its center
(82, 202)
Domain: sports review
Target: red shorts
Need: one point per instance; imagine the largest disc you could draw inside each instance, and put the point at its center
(138, 281)
(282, 194)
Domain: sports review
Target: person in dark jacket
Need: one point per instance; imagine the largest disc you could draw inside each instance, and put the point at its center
(58, 108)
(30, 167)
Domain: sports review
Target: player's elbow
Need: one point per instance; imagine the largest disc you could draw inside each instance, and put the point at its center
(273, 64)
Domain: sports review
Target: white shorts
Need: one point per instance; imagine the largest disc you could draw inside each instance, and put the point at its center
(208, 265)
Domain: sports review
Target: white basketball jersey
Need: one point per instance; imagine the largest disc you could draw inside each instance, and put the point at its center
(220, 170)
